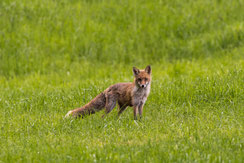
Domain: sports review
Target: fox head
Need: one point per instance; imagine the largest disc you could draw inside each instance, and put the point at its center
(142, 77)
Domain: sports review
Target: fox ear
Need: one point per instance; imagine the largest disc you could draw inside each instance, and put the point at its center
(136, 71)
(148, 69)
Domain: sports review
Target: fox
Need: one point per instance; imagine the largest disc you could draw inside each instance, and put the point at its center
(133, 94)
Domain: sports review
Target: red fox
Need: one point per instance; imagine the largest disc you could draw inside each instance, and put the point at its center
(132, 94)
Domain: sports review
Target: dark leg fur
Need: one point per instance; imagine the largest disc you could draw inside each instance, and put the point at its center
(121, 109)
(140, 110)
(110, 104)
(135, 112)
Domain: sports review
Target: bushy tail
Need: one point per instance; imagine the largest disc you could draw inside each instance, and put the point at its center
(68, 114)
(97, 104)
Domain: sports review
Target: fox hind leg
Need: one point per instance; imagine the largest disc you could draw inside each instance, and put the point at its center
(121, 109)
(110, 104)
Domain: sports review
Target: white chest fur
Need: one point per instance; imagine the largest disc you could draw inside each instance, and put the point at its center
(140, 95)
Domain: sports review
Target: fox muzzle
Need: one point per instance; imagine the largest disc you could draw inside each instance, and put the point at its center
(144, 85)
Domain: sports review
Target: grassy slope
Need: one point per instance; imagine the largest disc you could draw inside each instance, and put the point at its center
(58, 55)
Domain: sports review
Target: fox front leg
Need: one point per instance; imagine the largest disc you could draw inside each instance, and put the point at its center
(140, 110)
(135, 112)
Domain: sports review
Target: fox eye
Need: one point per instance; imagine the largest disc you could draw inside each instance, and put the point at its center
(139, 79)
(146, 79)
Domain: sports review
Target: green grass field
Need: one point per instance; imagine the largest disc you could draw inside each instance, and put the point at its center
(56, 55)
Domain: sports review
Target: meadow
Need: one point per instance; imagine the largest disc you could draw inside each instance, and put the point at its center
(56, 55)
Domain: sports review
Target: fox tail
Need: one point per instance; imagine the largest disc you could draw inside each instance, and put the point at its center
(95, 105)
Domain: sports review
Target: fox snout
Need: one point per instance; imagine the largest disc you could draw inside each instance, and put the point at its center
(143, 85)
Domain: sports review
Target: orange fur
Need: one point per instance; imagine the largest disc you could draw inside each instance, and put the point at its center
(125, 94)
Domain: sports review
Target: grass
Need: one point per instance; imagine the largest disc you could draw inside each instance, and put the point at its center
(58, 55)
